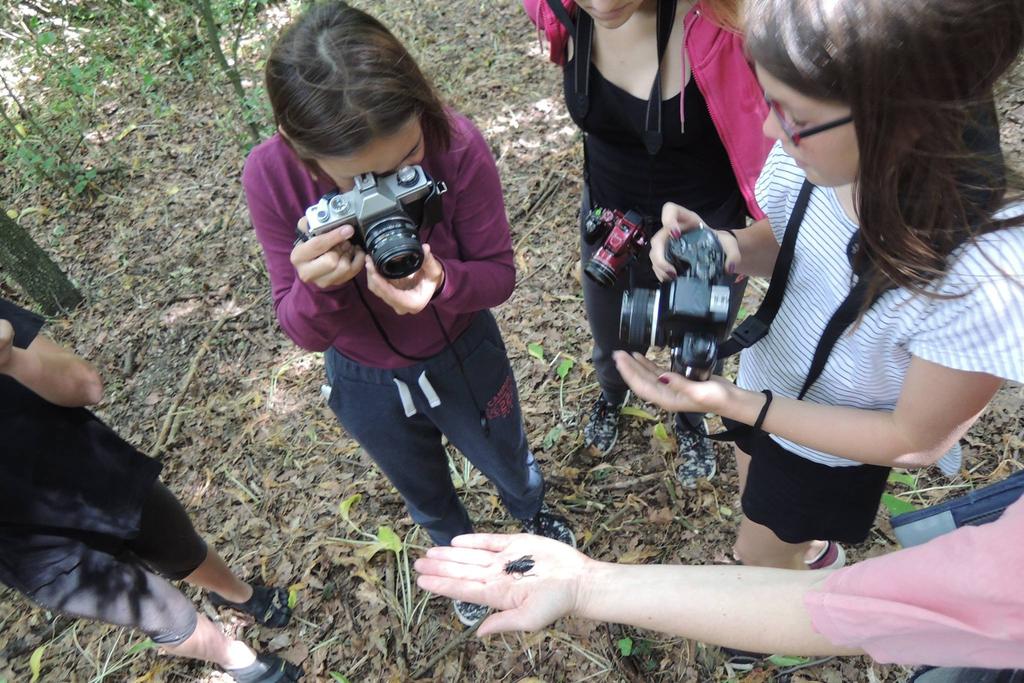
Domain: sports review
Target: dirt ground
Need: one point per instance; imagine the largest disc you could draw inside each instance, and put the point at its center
(179, 320)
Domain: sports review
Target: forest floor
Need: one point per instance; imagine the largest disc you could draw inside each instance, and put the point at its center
(179, 320)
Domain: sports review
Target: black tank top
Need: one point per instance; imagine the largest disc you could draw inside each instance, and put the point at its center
(691, 168)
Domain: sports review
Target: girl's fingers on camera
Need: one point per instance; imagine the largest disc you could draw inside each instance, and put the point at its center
(679, 217)
(731, 247)
(662, 268)
(314, 247)
(346, 266)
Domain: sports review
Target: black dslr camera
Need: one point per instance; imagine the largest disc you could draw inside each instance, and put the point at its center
(387, 213)
(689, 314)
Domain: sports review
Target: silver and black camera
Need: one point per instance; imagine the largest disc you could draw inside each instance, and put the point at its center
(689, 314)
(387, 213)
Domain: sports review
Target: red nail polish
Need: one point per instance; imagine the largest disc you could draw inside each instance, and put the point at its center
(663, 379)
(676, 232)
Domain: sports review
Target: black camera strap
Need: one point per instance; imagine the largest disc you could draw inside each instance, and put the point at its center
(844, 315)
(582, 31)
(756, 326)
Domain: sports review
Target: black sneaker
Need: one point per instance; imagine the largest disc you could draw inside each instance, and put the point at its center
(741, 660)
(469, 613)
(268, 605)
(267, 669)
(602, 429)
(697, 455)
(549, 525)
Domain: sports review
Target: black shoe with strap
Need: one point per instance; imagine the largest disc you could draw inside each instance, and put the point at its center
(267, 669)
(267, 605)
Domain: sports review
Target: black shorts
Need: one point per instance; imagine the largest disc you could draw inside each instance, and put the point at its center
(801, 500)
(110, 579)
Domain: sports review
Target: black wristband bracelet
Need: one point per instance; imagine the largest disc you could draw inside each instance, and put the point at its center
(764, 409)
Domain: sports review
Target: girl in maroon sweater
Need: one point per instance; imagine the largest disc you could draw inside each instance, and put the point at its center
(412, 359)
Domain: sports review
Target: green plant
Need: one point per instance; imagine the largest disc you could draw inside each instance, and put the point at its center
(403, 600)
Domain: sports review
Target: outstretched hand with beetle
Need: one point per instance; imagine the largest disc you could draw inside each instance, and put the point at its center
(531, 581)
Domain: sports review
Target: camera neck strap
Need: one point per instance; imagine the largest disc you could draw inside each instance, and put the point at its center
(756, 327)
(582, 31)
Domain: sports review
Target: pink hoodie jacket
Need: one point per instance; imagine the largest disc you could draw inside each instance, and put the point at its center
(954, 601)
(715, 56)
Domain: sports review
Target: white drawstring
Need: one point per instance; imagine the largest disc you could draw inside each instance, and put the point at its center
(428, 390)
(406, 396)
(403, 393)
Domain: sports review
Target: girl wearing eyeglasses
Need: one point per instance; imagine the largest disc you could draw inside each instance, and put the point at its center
(908, 257)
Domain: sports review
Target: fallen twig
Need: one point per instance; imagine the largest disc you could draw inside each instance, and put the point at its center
(604, 526)
(161, 442)
(629, 483)
(452, 644)
(547, 191)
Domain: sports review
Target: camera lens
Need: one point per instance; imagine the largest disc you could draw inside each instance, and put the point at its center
(394, 246)
(637, 319)
(600, 272)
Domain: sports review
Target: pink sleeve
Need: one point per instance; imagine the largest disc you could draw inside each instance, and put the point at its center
(545, 20)
(309, 315)
(956, 601)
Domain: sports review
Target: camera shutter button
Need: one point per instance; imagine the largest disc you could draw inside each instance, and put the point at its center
(339, 204)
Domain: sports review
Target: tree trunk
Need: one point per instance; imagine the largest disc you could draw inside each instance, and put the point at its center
(39, 277)
(213, 39)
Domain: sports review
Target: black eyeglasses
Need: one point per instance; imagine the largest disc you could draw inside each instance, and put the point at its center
(795, 136)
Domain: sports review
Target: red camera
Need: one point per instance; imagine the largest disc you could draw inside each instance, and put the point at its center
(622, 234)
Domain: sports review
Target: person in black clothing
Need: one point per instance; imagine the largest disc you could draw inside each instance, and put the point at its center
(669, 108)
(87, 529)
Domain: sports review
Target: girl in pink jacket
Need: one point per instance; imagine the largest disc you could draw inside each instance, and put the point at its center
(670, 109)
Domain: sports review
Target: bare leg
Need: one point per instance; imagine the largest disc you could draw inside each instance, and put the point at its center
(758, 545)
(209, 643)
(213, 574)
(814, 548)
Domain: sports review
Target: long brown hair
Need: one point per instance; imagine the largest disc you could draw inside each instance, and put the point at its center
(337, 79)
(919, 77)
(726, 13)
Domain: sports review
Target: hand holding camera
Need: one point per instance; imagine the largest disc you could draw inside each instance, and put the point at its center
(673, 392)
(387, 213)
(675, 220)
(411, 294)
(690, 313)
(329, 259)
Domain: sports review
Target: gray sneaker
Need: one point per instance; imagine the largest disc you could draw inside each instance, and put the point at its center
(549, 525)
(469, 613)
(602, 429)
(697, 455)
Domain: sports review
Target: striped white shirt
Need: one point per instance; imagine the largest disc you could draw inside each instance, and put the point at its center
(981, 331)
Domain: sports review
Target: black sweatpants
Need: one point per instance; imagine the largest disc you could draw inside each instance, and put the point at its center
(398, 416)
